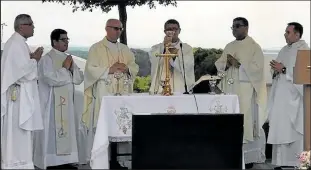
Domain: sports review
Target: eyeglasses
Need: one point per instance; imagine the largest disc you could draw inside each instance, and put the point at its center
(237, 26)
(31, 24)
(116, 28)
(171, 29)
(64, 39)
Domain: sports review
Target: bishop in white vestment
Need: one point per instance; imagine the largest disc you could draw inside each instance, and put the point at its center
(57, 144)
(179, 66)
(285, 106)
(242, 62)
(106, 59)
(20, 105)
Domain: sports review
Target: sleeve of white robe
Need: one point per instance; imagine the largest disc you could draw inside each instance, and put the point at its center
(221, 62)
(254, 66)
(93, 70)
(188, 60)
(32, 74)
(53, 77)
(188, 57)
(132, 66)
(77, 74)
(154, 61)
(27, 82)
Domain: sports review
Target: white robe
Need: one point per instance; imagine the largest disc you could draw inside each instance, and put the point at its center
(285, 108)
(22, 116)
(45, 141)
(250, 86)
(177, 75)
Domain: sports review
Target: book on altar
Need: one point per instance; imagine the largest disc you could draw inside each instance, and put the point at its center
(203, 84)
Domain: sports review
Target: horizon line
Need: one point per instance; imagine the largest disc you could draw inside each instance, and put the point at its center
(134, 46)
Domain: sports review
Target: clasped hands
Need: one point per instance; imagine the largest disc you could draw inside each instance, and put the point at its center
(167, 40)
(276, 66)
(118, 67)
(231, 61)
(67, 63)
(37, 54)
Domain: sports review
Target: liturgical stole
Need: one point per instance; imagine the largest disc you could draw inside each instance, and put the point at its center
(63, 136)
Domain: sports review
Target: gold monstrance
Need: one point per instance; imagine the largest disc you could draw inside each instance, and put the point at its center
(169, 52)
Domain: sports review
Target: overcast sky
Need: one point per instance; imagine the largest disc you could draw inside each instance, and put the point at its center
(204, 23)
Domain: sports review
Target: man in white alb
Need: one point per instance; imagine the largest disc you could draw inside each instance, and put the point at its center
(57, 143)
(106, 59)
(285, 106)
(20, 105)
(183, 64)
(243, 64)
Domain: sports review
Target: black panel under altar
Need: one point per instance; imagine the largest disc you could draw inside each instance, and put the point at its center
(205, 141)
(204, 87)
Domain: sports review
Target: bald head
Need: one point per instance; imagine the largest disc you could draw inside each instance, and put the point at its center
(114, 29)
(113, 22)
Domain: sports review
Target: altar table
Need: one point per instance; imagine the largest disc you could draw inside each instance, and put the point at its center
(115, 116)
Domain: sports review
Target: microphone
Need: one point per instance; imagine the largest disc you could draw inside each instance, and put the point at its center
(183, 64)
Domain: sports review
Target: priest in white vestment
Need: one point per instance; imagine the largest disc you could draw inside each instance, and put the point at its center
(57, 143)
(285, 106)
(20, 105)
(181, 67)
(243, 64)
(106, 59)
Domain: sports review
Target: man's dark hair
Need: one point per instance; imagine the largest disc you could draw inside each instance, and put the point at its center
(244, 20)
(55, 35)
(171, 21)
(297, 27)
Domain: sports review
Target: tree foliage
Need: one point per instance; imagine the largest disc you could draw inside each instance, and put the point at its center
(142, 84)
(204, 60)
(106, 6)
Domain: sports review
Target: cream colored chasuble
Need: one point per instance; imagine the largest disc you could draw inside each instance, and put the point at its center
(98, 82)
(249, 82)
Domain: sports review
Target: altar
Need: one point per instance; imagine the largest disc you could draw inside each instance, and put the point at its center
(115, 116)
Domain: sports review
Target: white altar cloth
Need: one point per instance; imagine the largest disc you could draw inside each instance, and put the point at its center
(115, 117)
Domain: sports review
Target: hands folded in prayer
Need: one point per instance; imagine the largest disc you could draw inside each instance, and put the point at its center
(68, 62)
(118, 67)
(37, 54)
(276, 66)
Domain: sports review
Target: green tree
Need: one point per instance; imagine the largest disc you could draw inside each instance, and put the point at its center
(142, 84)
(204, 60)
(106, 6)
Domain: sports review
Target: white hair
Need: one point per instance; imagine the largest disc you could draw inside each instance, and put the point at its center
(21, 19)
